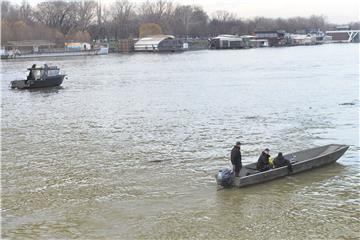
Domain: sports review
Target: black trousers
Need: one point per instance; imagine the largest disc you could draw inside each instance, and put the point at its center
(237, 167)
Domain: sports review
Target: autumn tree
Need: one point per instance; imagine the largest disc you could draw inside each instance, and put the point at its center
(82, 36)
(148, 29)
(7, 33)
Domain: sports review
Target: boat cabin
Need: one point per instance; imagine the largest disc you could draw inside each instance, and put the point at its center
(41, 73)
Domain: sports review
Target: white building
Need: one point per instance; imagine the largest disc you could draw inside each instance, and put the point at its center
(303, 39)
(158, 43)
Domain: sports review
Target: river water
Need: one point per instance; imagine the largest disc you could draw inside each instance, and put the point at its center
(128, 147)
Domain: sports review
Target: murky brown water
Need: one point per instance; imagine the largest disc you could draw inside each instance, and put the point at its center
(128, 147)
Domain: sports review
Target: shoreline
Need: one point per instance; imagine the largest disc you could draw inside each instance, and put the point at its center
(105, 51)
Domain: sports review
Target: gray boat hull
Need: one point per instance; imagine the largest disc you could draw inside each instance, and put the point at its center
(53, 81)
(305, 160)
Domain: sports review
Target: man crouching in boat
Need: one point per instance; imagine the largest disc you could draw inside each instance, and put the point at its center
(236, 159)
(280, 161)
(263, 163)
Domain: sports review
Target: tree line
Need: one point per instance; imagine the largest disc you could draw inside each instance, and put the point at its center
(85, 20)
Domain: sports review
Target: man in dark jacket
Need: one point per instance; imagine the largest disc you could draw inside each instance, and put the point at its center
(263, 163)
(280, 161)
(236, 159)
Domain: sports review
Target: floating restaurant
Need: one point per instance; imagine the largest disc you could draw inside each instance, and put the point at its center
(159, 43)
(227, 42)
(274, 38)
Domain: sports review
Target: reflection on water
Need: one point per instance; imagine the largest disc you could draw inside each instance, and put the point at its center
(129, 145)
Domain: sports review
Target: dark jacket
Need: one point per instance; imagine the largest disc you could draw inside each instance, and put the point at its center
(236, 156)
(263, 163)
(280, 161)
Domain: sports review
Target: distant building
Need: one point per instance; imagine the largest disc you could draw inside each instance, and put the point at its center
(320, 36)
(303, 39)
(77, 46)
(343, 27)
(274, 38)
(255, 43)
(42, 48)
(247, 39)
(29, 46)
(159, 43)
(125, 45)
(345, 36)
(227, 42)
(196, 43)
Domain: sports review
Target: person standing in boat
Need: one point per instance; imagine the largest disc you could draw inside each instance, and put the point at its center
(31, 74)
(263, 163)
(236, 159)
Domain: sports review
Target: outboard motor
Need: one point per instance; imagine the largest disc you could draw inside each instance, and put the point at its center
(224, 177)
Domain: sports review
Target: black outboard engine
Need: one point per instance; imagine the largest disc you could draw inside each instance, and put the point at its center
(224, 177)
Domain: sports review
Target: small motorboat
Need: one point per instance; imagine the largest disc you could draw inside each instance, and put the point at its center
(300, 161)
(40, 77)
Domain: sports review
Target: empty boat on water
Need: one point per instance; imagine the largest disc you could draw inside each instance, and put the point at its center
(40, 77)
(301, 161)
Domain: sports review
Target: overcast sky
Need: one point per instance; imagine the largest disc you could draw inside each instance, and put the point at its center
(336, 11)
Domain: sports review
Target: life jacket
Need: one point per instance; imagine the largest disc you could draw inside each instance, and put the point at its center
(271, 162)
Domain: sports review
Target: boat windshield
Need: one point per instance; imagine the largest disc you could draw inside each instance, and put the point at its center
(37, 74)
(54, 72)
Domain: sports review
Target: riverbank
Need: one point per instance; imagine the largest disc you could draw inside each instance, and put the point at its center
(57, 53)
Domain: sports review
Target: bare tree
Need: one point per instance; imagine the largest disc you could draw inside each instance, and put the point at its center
(26, 12)
(102, 27)
(182, 18)
(9, 12)
(122, 12)
(199, 22)
(189, 21)
(85, 13)
(223, 22)
(224, 16)
(147, 12)
(158, 12)
(57, 14)
(317, 22)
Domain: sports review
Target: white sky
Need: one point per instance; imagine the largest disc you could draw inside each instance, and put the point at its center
(336, 11)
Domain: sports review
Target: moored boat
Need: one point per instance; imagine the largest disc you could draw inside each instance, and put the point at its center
(40, 77)
(300, 161)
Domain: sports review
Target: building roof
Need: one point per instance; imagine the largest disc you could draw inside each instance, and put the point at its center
(273, 31)
(343, 27)
(343, 31)
(300, 36)
(30, 43)
(247, 36)
(229, 37)
(153, 40)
